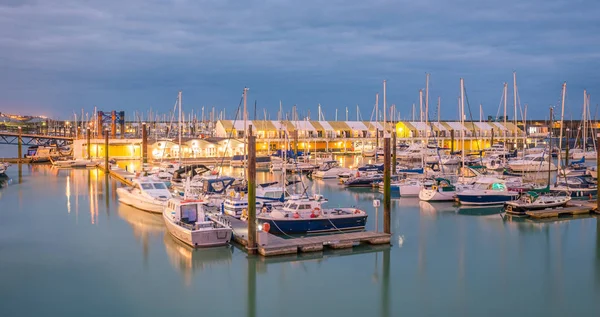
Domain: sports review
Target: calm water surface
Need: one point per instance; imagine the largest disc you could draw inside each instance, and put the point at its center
(68, 248)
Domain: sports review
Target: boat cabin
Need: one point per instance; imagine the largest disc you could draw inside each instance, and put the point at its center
(490, 184)
(189, 214)
(152, 188)
(327, 165)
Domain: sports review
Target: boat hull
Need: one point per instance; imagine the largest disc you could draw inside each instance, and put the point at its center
(140, 202)
(314, 225)
(515, 209)
(485, 199)
(201, 238)
(436, 195)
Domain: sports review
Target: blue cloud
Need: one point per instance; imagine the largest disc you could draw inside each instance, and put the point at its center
(59, 56)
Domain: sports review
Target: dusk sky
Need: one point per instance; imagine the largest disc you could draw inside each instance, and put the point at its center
(58, 56)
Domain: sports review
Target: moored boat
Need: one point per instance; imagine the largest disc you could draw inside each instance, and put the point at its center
(441, 190)
(532, 200)
(306, 215)
(186, 220)
(487, 191)
(145, 194)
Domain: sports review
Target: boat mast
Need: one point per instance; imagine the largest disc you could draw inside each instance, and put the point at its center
(550, 145)
(420, 105)
(426, 100)
(505, 96)
(515, 104)
(462, 117)
(245, 128)
(562, 122)
(180, 126)
(584, 117)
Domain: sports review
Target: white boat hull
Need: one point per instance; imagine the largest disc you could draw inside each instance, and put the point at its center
(532, 167)
(198, 238)
(409, 190)
(140, 202)
(428, 194)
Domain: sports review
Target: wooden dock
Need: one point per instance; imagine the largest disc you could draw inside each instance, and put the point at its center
(270, 244)
(573, 208)
(120, 174)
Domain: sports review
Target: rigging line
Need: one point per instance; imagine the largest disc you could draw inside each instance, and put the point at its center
(437, 148)
(231, 133)
(472, 124)
(500, 105)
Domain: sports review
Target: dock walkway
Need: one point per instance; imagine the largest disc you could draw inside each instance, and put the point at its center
(269, 244)
(571, 209)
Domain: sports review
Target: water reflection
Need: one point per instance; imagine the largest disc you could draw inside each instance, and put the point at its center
(144, 226)
(188, 260)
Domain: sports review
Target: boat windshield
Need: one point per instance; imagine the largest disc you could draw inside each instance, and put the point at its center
(189, 212)
(292, 206)
(160, 186)
(147, 186)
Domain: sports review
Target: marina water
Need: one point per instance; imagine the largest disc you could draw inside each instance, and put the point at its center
(68, 248)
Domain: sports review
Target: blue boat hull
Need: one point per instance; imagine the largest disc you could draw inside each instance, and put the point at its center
(485, 199)
(314, 225)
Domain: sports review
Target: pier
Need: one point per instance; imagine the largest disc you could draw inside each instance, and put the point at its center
(272, 245)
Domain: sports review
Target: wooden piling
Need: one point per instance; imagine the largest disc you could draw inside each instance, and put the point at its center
(394, 159)
(89, 144)
(144, 143)
(106, 164)
(492, 139)
(387, 202)
(20, 146)
(452, 140)
(251, 174)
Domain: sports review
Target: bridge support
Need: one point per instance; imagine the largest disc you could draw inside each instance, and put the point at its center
(20, 146)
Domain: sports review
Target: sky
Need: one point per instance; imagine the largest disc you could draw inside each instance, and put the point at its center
(60, 56)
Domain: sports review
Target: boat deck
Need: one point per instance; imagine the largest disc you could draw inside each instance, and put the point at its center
(270, 245)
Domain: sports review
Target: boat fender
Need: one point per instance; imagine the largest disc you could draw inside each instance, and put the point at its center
(266, 227)
(316, 212)
(434, 187)
(296, 215)
(356, 211)
(264, 209)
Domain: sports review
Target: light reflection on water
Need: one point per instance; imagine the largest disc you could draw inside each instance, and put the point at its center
(65, 232)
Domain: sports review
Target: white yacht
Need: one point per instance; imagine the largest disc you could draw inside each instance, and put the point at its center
(186, 220)
(145, 194)
(330, 169)
(496, 149)
(441, 190)
(76, 163)
(532, 163)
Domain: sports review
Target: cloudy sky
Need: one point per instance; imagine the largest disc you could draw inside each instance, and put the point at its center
(59, 56)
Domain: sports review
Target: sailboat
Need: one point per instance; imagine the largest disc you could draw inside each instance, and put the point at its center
(585, 152)
(541, 199)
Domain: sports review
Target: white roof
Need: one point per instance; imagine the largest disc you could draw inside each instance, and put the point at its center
(456, 125)
(498, 125)
(439, 126)
(326, 126)
(484, 126)
(377, 125)
(239, 124)
(356, 125)
(303, 126)
(421, 126)
(279, 125)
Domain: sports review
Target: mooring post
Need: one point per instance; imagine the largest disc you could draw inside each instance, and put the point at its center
(89, 144)
(251, 173)
(106, 166)
(20, 146)
(387, 202)
(394, 159)
(144, 143)
(492, 140)
(452, 140)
